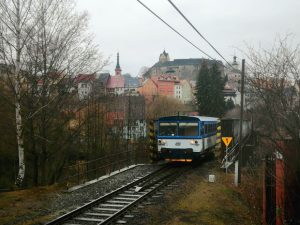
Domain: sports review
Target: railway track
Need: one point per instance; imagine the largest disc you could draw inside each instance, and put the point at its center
(111, 207)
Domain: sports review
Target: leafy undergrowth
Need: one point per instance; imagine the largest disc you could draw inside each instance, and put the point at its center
(25, 206)
(198, 202)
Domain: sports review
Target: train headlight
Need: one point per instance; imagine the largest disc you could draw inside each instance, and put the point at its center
(194, 142)
(161, 142)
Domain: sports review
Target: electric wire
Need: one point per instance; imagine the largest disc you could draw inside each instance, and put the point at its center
(177, 32)
(186, 19)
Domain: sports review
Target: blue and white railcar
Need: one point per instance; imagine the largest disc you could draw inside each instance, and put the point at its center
(184, 138)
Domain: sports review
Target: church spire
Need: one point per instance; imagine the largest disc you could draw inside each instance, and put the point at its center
(118, 68)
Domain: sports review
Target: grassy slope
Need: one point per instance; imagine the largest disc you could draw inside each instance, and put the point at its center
(203, 203)
(195, 202)
(26, 206)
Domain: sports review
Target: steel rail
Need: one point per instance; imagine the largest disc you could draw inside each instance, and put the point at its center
(161, 182)
(75, 212)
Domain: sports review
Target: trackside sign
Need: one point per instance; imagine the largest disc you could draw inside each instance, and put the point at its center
(226, 140)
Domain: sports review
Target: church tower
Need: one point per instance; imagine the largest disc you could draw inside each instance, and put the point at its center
(118, 68)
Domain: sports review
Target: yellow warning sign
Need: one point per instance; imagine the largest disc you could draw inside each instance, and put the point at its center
(226, 140)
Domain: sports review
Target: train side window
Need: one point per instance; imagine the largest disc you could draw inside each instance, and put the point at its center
(202, 130)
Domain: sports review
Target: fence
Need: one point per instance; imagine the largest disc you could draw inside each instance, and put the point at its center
(83, 171)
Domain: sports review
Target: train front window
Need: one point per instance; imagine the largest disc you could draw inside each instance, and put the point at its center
(168, 129)
(188, 129)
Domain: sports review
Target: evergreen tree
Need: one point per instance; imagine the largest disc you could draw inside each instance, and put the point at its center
(209, 95)
(202, 90)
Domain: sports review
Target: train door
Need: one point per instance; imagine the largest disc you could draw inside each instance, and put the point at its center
(202, 133)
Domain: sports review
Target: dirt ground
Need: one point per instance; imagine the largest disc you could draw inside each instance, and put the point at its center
(195, 201)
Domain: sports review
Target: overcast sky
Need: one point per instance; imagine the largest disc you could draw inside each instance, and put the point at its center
(125, 26)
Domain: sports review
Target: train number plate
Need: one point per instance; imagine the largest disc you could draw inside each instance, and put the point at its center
(177, 143)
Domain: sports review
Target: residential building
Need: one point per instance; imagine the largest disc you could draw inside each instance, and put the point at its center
(126, 116)
(84, 84)
(178, 91)
(149, 90)
(131, 84)
(233, 94)
(166, 84)
(187, 92)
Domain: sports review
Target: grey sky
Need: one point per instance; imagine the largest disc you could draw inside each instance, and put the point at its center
(127, 27)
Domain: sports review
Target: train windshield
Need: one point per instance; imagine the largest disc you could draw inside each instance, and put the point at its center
(184, 129)
(167, 129)
(188, 129)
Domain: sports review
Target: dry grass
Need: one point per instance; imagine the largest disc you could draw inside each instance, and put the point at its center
(201, 203)
(23, 207)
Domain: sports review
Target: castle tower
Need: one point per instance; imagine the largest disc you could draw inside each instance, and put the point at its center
(118, 68)
(164, 57)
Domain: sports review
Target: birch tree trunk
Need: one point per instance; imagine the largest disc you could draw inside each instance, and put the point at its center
(15, 22)
(19, 126)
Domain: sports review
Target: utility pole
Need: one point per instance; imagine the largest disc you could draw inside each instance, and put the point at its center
(240, 157)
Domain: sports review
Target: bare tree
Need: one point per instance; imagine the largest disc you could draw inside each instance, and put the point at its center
(163, 106)
(273, 79)
(15, 28)
(47, 43)
(274, 88)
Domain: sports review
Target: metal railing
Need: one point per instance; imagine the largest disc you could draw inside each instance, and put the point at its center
(83, 171)
(233, 152)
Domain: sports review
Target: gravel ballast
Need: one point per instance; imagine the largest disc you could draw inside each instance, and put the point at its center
(66, 201)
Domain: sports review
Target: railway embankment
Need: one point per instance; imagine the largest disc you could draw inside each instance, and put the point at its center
(196, 201)
(190, 200)
(40, 205)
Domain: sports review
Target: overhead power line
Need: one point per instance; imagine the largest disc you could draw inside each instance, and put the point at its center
(198, 32)
(177, 32)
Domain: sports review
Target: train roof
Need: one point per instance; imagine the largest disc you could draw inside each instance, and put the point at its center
(234, 118)
(201, 118)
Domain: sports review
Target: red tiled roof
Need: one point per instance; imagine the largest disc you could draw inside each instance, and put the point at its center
(116, 82)
(84, 78)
